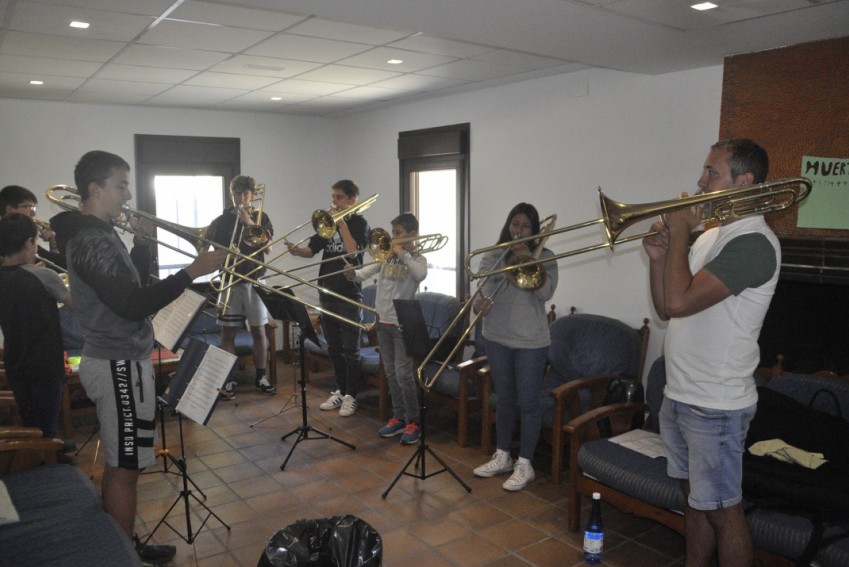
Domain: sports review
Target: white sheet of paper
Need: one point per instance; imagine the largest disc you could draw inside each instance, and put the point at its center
(641, 441)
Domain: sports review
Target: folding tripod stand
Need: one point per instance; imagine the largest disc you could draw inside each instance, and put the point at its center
(416, 341)
(287, 309)
(185, 494)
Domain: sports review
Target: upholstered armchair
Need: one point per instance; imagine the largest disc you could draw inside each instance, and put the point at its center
(586, 353)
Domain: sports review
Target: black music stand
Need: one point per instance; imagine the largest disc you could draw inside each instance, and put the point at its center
(186, 370)
(418, 343)
(282, 307)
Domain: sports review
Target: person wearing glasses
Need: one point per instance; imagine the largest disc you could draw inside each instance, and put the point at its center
(17, 199)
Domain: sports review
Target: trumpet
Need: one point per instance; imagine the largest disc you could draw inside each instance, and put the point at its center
(65, 195)
(720, 206)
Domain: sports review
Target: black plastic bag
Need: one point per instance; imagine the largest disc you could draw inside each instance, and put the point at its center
(340, 541)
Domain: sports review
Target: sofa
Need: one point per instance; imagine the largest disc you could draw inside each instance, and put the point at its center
(638, 484)
(62, 522)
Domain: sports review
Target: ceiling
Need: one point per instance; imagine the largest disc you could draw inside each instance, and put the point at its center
(329, 57)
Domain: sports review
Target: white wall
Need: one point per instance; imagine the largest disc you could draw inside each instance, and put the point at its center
(549, 141)
(553, 142)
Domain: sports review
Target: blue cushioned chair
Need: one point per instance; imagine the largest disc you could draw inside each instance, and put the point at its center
(371, 367)
(455, 386)
(206, 329)
(637, 484)
(586, 353)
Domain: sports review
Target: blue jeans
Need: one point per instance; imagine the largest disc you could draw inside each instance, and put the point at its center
(398, 367)
(343, 344)
(705, 447)
(517, 374)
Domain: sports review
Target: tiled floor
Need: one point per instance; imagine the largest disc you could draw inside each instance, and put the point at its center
(235, 462)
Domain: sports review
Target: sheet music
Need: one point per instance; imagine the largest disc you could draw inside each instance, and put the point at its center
(200, 396)
(641, 441)
(171, 321)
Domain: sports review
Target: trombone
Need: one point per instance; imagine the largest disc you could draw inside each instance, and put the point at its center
(379, 248)
(535, 273)
(197, 237)
(256, 236)
(323, 223)
(747, 200)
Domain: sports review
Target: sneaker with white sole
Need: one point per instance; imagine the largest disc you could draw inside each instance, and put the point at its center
(228, 392)
(523, 473)
(412, 432)
(264, 386)
(501, 463)
(349, 406)
(333, 402)
(392, 428)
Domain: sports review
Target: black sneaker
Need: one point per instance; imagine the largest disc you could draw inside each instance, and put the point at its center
(155, 554)
(264, 386)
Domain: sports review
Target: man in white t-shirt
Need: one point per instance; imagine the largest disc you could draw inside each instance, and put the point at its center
(715, 296)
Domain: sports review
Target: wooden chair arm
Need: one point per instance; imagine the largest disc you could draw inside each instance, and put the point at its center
(20, 432)
(581, 428)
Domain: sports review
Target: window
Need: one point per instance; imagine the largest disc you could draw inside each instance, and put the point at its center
(183, 180)
(434, 186)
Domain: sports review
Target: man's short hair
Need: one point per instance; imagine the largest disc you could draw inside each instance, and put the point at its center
(15, 230)
(407, 221)
(746, 156)
(14, 195)
(242, 184)
(97, 166)
(348, 187)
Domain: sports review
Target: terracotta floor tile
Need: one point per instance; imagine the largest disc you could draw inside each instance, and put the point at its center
(424, 522)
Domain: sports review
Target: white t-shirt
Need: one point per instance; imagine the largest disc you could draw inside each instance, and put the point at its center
(711, 355)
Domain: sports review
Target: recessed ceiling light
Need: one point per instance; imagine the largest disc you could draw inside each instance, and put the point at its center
(704, 6)
(276, 98)
(80, 25)
(395, 61)
(34, 82)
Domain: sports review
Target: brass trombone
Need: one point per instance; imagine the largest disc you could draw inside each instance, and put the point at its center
(379, 248)
(756, 199)
(196, 236)
(534, 273)
(323, 223)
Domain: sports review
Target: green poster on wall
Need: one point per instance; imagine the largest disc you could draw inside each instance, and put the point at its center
(828, 204)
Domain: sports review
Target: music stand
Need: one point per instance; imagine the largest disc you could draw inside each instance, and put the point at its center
(282, 307)
(418, 343)
(186, 371)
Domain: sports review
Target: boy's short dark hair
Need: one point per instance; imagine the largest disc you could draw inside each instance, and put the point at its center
(14, 195)
(407, 221)
(15, 230)
(97, 166)
(242, 184)
(348, 187)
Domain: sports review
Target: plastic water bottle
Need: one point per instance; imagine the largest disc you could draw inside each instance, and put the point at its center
(594, 534)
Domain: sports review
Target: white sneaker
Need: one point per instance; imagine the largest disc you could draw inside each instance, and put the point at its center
(333, 402)
(500, 463)
(349, 406)
(523, 473)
